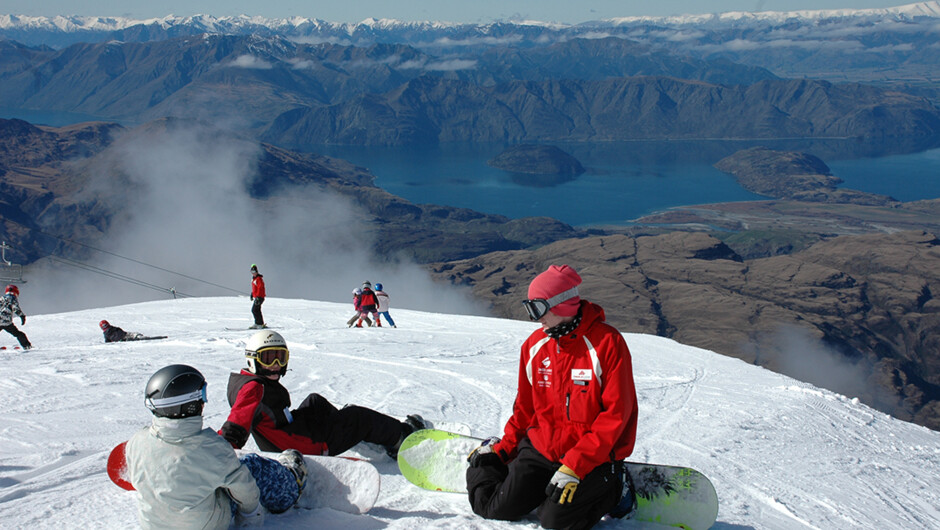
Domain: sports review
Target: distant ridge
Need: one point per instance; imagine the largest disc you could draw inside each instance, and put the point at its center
(887, 45)
(921, 9)
(69, 23)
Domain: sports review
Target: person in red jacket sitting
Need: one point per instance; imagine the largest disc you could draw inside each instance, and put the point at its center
(573, 421)
(261, 407)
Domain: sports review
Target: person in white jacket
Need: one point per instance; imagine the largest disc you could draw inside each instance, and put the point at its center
(382, 299)
(188, 476)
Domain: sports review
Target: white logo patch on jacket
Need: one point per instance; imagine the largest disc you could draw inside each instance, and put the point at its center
(581, 374)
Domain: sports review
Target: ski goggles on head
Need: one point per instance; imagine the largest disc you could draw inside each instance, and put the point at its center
(268, 357)
(173, 401)
(538, 307)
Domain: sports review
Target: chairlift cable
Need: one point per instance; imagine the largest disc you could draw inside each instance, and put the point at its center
(117, 276)
(122, 257)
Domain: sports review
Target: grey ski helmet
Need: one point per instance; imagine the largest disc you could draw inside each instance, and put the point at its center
(176, 391)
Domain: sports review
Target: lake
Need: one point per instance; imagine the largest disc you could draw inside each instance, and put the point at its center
(624, 180)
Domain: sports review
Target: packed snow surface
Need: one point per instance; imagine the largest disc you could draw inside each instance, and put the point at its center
(782, 454)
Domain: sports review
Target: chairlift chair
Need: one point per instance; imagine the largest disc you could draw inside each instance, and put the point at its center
(9, 272)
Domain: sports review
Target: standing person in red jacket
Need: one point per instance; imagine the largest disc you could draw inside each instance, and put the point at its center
(368, 304)
(261, 407)
(257, 297)
(573, 421)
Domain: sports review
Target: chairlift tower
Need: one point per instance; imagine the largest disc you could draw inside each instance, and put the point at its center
(9, 272)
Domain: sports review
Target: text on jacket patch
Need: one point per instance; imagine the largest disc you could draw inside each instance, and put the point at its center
(581, 374)
(545, 374)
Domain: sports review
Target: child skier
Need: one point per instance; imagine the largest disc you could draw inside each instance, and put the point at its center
(367, 305)
(116, 334)
(383, 299)
(357, 305)
(187, 476)
(10, 306)
(261, 408)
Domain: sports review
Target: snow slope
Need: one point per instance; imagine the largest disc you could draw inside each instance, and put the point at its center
(782, 454)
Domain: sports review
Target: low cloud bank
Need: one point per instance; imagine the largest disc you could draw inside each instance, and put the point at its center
(188, 223)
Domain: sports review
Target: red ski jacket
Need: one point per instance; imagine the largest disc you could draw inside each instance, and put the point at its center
(260, 407)
(368, 301)
(257, 286)
(576, 400)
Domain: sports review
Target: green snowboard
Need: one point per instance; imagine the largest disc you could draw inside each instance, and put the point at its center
(669, 495)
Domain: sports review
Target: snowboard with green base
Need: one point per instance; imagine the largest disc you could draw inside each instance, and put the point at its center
(669, 495)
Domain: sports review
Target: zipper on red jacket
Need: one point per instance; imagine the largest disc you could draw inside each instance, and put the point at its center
(567, 405)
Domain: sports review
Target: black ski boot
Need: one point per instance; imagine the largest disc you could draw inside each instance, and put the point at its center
(627, 504)
(412, 423)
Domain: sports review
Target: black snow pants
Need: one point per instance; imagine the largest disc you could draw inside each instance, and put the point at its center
(510, 492)
(317, 419)
(20, 336)
(256, 311)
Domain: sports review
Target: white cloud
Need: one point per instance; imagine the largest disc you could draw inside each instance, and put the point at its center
(302, 64)
(251, 62)
(183, 201)
(452, 65)
(477, 41)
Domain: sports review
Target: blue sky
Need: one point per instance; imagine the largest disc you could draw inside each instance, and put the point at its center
(569, 11)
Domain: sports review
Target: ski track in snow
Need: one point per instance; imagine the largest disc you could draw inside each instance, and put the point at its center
(781, 453)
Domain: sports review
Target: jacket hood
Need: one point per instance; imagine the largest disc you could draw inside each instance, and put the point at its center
(590, 313)
(175, 430)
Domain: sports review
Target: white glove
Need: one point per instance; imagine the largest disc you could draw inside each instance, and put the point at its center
(250, 519)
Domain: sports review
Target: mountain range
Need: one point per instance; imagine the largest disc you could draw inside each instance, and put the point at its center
(301, 95)
(879, 45)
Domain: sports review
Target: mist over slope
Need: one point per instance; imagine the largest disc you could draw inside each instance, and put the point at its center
(782, 454)
(180, 210)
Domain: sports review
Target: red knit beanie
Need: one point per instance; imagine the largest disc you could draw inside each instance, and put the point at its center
(555, 281)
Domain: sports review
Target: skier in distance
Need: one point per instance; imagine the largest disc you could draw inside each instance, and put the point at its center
(10, 306)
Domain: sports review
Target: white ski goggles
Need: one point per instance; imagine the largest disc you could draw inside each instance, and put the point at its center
(160, 403)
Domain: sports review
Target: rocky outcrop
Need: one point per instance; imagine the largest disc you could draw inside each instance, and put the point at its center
(793, 176)
(537, 160)
(862, 303)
